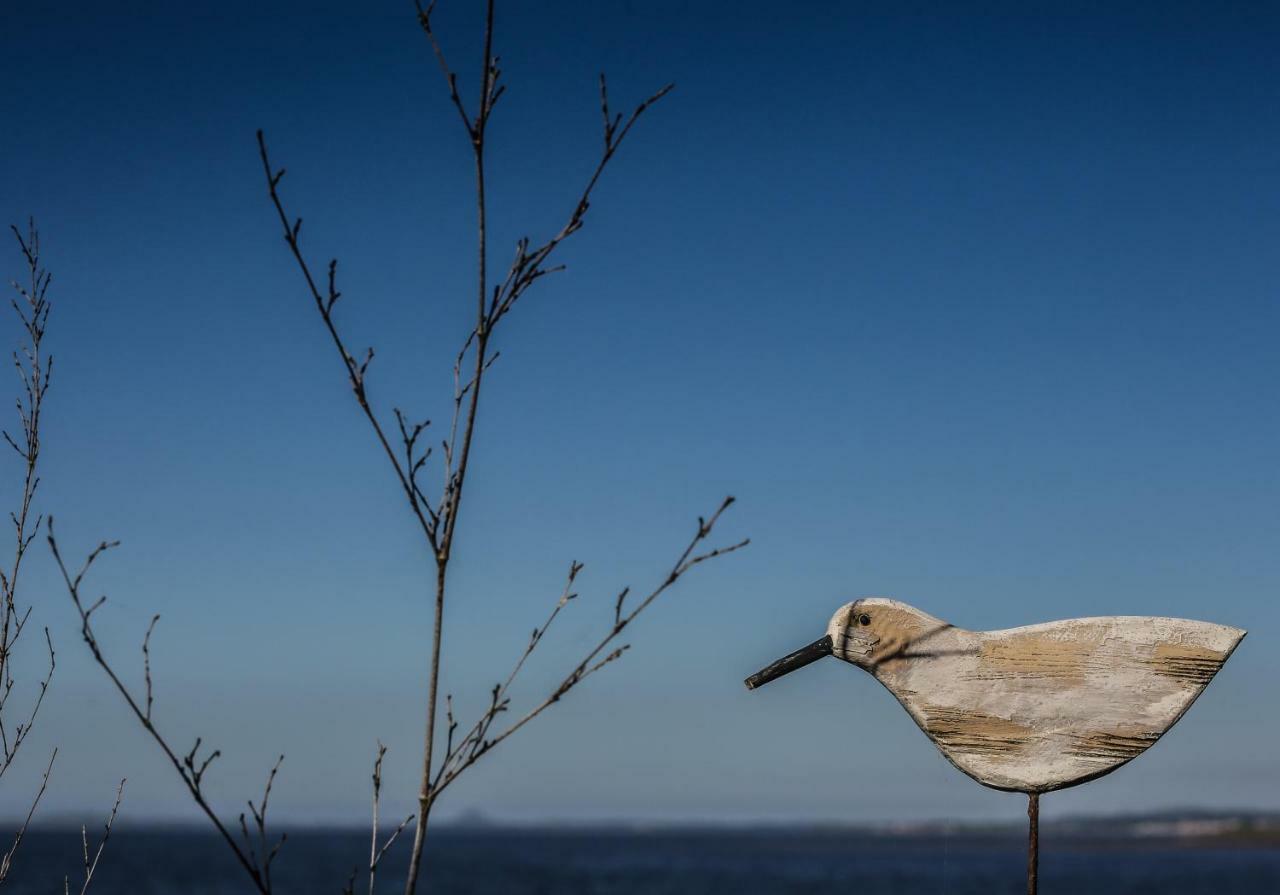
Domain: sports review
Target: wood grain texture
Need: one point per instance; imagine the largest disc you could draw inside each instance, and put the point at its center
(1037, 708)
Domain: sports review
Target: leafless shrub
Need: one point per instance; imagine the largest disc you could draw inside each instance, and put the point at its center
(31, 305)
(35, 368)
(435, 511)
(438, 518)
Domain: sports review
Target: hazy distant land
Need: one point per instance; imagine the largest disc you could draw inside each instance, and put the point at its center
(1216, 827)
(1191, 825)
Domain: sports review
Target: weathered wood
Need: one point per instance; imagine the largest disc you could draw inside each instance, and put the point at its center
(1029, 709)
(1037, 708)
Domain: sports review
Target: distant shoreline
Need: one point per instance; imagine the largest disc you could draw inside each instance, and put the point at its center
(1158, 830)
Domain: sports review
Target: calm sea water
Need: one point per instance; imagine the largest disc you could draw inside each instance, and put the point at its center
(662, 863)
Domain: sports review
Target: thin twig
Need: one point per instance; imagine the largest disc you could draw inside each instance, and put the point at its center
(6, 860)
(146, 660)
(91, 866)
(376, 852)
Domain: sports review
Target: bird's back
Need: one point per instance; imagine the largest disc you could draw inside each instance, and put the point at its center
(1048, 706)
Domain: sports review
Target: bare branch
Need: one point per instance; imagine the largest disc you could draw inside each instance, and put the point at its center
(355, 371)
(185, 766)
(424, 20)
(91, 866)
(376, 852)
(477, 741)
(260, 822)
(10, 748)
(6, 860)
(529, 266)
(146, 660)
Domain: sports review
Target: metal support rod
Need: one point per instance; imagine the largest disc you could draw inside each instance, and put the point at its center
(1033, 841)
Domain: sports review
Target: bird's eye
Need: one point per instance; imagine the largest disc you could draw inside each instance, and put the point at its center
(864, 619)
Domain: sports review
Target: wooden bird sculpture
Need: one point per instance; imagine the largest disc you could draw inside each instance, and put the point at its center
(1030, 709)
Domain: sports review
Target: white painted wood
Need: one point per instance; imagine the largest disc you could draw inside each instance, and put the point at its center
(1037, 708)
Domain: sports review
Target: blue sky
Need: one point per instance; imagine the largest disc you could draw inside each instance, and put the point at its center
(974, 307)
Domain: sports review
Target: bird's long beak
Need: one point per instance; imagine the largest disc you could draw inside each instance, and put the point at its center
(800, 658)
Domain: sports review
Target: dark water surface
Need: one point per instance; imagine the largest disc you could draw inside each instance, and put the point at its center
(509, 862)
